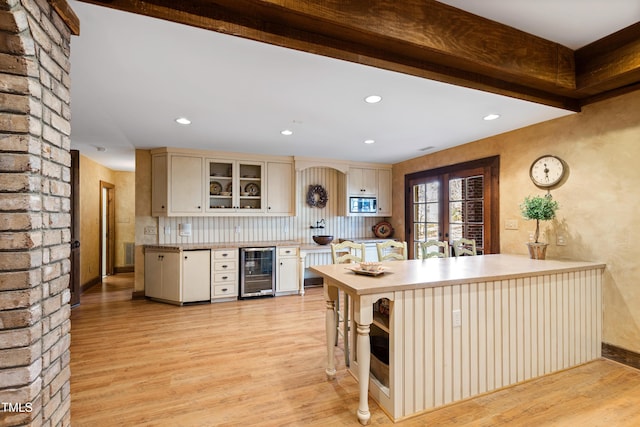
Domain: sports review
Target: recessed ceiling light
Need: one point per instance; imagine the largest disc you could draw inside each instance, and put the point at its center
(372, 99)
(183, 121)
(491, 117)
(369, 141)
(286, 132)
(101, 149)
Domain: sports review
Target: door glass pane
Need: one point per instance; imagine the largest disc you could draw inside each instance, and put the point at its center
(426, 213)
(456, 212)
(466, 209)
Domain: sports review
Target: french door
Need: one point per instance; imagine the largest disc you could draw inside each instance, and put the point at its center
(458, 201)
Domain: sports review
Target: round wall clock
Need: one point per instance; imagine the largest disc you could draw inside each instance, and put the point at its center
(382, 230)
(547, 171)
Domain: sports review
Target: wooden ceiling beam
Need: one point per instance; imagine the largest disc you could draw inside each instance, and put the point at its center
(424, 38)
(609, 64)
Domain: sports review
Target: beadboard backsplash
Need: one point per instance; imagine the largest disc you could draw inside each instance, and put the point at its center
(257, 229)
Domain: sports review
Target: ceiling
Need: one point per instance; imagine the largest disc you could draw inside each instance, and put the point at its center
(133, 75)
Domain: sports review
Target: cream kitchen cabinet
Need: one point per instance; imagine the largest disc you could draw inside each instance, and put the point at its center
(235, 186)
(369, 182)
(159, 187)
(177, 185)
(177, 277)
(280, 189)
(385, 198)
(162, 275)
(224, 275)
(196, 275)
(288, 274)
(362, 182)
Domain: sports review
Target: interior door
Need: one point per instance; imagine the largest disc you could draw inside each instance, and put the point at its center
(449, 203)
(107, 228)
(74, 279)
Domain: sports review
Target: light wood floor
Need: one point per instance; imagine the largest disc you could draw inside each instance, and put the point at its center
(261, 362)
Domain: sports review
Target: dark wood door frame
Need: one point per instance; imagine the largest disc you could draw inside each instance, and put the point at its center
(491, 165)
(74, 279)
(107, 234)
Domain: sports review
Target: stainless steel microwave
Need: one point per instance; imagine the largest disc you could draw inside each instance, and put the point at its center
(363, 205)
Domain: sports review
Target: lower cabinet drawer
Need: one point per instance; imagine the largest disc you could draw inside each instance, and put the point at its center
(227, 276)
(224, 265)
(222, 290)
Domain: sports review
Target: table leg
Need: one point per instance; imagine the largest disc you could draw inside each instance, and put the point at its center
(331, 332)
(364, 361)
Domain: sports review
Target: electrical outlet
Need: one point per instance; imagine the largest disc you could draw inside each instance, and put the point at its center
(237, 229)
(561, 240)
(457, 318)
(150, 230)
(167, 230)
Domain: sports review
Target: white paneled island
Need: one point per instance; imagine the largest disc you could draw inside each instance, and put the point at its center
(459, 327)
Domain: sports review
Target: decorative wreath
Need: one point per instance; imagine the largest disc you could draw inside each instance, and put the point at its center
(317, 196)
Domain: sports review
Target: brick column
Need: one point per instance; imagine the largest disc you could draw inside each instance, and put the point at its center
(34, 215)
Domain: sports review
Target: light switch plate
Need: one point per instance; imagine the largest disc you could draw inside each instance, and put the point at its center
(511, 224)
(149, 230)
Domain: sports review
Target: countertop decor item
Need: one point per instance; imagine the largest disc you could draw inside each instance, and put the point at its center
(540, 208)
(322, 239)
(382, 230)
(317, 196)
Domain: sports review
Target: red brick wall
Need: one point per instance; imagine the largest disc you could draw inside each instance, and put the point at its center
(34, 215)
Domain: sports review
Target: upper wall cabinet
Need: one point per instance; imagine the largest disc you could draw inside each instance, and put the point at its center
(191, 183)
(235, 186)
(280, 189)
(363, 182)
(177, 187)
(370, 182)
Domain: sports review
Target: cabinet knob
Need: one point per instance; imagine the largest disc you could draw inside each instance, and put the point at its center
(186, 257)
(225, 266)
(162, 206)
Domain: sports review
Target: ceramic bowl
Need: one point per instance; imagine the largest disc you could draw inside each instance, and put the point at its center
(322, 240)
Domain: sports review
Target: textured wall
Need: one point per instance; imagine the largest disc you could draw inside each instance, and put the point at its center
(34, 215)
(91, 173)
(598, 201)
(125, 183)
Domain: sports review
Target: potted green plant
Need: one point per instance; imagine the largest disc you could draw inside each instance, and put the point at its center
(540, 208)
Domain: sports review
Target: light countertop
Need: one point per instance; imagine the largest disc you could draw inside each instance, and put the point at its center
(416, 274)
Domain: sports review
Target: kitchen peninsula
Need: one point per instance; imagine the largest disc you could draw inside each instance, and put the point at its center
(459, 327)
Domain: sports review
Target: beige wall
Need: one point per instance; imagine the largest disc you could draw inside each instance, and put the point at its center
(125, 183)
(598, 201)
(91, 173)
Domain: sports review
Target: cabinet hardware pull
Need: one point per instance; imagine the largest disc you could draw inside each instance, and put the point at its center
(225, 266)
(225, 254)
(224, 289)
(224, 277)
